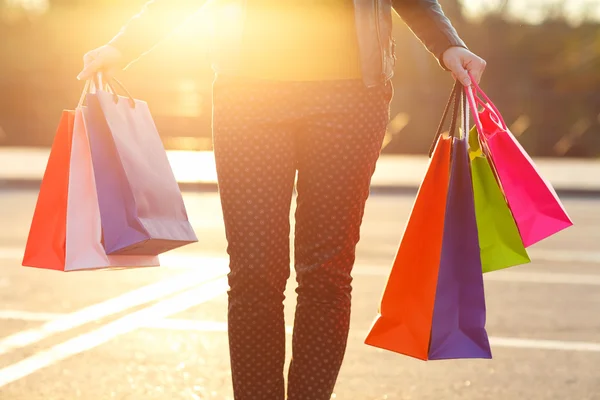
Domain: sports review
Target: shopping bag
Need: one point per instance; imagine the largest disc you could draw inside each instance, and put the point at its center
(433, 305)
(141, 205)
(499, 239)
(534, 204)
(405, 314)
(45, 246)
(459, 314)
(406, 309)
(66, 232)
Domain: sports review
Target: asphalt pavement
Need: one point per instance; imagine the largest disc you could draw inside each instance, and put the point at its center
(160, 333)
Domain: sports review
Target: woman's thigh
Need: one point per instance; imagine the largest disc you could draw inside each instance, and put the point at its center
(255, 158)
(337, 154)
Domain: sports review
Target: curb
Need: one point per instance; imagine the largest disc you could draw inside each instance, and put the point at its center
(410, 190)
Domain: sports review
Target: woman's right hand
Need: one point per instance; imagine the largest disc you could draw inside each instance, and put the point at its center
(105, 59)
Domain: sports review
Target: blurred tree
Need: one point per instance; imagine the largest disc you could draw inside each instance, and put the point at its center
(454, 10)
(545, 76)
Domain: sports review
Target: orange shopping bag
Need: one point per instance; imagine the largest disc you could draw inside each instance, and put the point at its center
(414, 275)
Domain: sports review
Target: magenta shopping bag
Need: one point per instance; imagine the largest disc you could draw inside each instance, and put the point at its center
(141, 206)
(534, 204)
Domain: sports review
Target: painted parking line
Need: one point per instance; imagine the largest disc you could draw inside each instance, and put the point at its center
(507, 342)
(171, 260)
(543, 277)
(195, 260)
(504, 276)
(176, 324)
(218, 326)
(540, 344)
(537, 255)
(29, 316)
(566, 256)
(87, 341)
(110, 307)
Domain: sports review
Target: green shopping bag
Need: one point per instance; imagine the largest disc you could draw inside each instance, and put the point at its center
(499, 239)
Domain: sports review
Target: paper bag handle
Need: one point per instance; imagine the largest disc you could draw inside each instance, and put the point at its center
(488, 104)
(98, 81)
(465, 115)
(453, 102)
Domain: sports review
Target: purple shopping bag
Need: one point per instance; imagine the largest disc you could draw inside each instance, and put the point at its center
(141, 205)
(458, 326)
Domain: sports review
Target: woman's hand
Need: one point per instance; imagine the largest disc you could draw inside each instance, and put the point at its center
(105, 59)
(461, 62)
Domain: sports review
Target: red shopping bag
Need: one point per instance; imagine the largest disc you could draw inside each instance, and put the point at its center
(47, 235)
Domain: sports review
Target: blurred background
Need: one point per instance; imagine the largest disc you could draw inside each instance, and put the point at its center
(159, 333)
(543, 72)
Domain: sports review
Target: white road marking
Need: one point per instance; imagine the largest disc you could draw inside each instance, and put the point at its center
(187, 325)
(181, 302)
(12, 253)
(193, 260)
(29, 316)
(543, 277)
(566, 256)
(216, 326)
(540, 344)
(536, 254)
(505, 276)
(109, 307)
(169, 260)
(508, 342)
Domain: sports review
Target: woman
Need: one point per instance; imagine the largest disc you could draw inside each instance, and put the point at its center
(302, 86)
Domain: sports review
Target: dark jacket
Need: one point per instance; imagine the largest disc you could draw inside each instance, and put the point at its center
(373, 25)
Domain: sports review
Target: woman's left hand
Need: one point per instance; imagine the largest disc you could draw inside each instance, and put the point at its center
(461, 62)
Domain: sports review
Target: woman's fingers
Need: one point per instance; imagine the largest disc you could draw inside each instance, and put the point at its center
(103, 58)
(476, 68)
(89, 70)
(461, 62)
(459, 72)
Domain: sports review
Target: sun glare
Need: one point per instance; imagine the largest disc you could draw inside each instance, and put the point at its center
(31, 6)
(212, 17)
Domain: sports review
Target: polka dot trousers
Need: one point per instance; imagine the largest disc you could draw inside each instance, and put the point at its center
(330, 133)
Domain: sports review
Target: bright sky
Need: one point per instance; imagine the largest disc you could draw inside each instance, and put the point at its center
(34, 6)
(534, 10)
(527, 10)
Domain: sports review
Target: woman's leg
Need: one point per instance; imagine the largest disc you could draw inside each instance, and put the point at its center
(254, 151)
(337, 155)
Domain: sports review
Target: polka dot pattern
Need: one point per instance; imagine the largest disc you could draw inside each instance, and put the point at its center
(330, 133)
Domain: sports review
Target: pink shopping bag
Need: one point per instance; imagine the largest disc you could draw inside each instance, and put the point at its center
(534, 204)
(84, 228)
